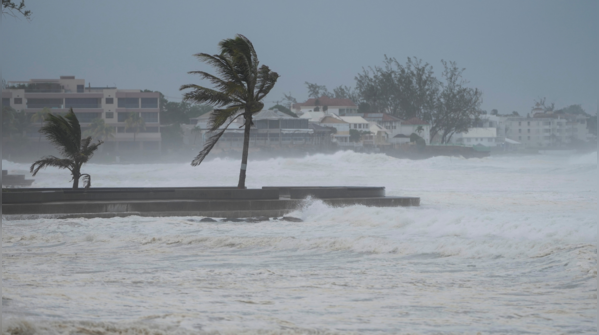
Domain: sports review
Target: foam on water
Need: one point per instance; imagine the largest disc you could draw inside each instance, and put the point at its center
(500, 244)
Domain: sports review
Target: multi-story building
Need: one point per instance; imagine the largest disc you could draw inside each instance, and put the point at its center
(391, 123)
(89, 103)
(335, 106)
(537, 132)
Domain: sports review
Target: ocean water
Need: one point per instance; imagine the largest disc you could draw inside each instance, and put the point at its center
(500, 245)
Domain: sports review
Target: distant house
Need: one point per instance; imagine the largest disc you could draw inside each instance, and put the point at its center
(390, 122)
(377, 136)
(356, 122)
(341, 137)
(400, 139)
(417, 126)
(335, 106)
(477, 136)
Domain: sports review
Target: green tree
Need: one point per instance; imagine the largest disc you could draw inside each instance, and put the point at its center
(65, 133)
(100, 130)
(239, 89)
(283, 109)
(136, 123)
(317, 91)
(458, 106)
(9, 7)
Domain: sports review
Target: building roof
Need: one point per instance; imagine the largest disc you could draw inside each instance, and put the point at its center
(271, 114)
(375, 128)
(353, 119)
(331, 119)
(381, 117)
(325, 101)
(414, 121)
(313, 116)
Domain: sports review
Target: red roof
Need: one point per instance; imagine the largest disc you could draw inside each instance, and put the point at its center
(415, 121)
(326, 101)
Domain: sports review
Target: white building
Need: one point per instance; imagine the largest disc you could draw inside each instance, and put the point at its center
(477, 136)
(416, 126)
(341, 137)
(388, 121)
(356, 122)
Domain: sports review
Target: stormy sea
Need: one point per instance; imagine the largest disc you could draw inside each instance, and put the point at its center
(499, 245)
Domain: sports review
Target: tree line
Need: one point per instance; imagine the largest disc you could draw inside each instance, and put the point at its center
(410, 90)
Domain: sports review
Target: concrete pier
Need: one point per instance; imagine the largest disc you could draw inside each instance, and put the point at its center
(187, 201)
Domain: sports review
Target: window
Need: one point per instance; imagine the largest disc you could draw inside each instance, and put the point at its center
(150, 117)
(528, 123)
(122, 117)
(82, 102)
(41, 103)
(80, 88)
(88, 117)
(149, 102)
(520, 130)
(18, 101)
(110, 115)
(109, 101)
(520, 138)
(5, 101)
(128, 102)
(529, 131)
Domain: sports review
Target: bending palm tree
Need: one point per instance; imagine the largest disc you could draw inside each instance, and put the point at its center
(65, 133)
(135, 122)
(239, 90)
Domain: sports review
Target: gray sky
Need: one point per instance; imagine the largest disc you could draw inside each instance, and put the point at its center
(514, 51)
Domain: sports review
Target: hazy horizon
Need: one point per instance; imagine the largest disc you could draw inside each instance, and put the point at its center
(515, 52)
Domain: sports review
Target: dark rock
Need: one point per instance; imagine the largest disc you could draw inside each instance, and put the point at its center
(291, 219)
(208, 220)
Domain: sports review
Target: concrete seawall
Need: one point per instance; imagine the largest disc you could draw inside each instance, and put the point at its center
(212, 202)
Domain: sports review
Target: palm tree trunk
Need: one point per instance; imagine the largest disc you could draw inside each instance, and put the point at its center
(246, 147)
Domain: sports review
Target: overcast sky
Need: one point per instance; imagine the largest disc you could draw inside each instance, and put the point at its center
(514, 51)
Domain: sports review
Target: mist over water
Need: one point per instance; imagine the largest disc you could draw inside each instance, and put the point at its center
(499, 245)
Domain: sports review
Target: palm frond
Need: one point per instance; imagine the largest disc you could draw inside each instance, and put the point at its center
(87, 149)
(266, 81)
(206, 95)
(210, 143)
(61, 163)
(223, 65)
(64, 132)
(220, 116)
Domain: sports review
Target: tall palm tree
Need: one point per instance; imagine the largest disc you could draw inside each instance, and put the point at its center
(65, 133)
(99, 130)
(239, 91)
(135, 122)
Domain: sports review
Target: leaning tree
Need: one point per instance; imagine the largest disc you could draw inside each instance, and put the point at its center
(239, 88)
(65, 133)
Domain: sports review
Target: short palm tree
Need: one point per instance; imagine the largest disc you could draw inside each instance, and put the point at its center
(99, 130)
(135, 122)
(239, 91)
(65, 133)
(419, 129)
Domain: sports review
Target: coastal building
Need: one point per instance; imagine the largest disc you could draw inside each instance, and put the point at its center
(335, 106)
(476, 137)
(539, 132)
(89, 103)
(388, 121)
(341, 135)
(416, 126)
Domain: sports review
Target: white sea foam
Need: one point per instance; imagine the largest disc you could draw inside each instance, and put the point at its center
(500, 244)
